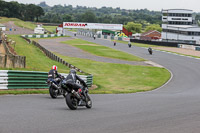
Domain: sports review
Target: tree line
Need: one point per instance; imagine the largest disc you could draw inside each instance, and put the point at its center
(59, 13)
(135, 21)
(26, 12)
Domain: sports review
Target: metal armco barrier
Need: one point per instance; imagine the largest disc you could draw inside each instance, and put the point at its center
(42, 35)
(11, 79)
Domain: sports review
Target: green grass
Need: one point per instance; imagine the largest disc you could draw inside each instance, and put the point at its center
(100, 50)
(121, 78)
(50, 28)
(35, 58)
(109, 77)
(72, 30)
(27, 25)
(18, 22)
(5, 19)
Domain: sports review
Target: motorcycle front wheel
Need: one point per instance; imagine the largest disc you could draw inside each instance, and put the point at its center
(71, 101)
(53, 92)
(88, 101)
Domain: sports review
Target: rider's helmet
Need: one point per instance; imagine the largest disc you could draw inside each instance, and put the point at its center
(72, 71)
(54, 67)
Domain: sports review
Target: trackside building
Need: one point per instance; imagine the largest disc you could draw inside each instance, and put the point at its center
(178, 26)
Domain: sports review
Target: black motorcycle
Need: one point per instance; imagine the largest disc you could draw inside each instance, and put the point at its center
(75, 98)
(150, 51)
(55, 89)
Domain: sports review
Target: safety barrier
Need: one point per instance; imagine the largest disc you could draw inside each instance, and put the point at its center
(12, 79)
(42, 35)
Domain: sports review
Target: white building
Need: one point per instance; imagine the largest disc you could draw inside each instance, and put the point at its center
(39, 30)
(178, 26)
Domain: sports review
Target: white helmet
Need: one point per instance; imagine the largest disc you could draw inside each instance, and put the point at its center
(54, 67)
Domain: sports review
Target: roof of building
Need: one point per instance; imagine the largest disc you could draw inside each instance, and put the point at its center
(39, 28)
(176, 9)
(187, 11)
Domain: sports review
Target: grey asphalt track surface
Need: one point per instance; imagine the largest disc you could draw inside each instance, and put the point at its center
(173, 108)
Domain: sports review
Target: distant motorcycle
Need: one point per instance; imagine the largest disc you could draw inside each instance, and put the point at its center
(150, 51)
(129, 44)
(55, 89)
(74, 97)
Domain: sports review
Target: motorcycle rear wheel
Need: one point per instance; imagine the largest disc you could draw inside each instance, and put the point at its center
(71, 101)
(53, 93)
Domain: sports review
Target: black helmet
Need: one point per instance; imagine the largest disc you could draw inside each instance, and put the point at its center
(72, 71)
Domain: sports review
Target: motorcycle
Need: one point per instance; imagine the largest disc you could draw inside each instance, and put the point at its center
(55, 89)
(74, 97)
(150, 51)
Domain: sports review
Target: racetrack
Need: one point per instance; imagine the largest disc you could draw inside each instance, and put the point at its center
(174, 108)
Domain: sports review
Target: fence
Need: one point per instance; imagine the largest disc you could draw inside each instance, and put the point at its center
(9, 60)
(11, 79)
(159, 43)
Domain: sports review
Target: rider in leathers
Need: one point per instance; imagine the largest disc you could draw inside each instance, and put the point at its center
(71, 80)
(54, 76)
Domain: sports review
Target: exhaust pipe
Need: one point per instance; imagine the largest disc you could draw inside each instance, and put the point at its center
(54, 85)
(76, 94)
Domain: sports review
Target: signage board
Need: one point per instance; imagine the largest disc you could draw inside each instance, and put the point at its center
(92, 26)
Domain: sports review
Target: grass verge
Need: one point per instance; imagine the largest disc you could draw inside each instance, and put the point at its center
(109, 77)
(100, 50)
(72, 30)
(18, 22)
(27, 25)
(50, 28)
(121, 78)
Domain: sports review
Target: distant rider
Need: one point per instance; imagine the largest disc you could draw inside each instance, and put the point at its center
(114, 42)
(129, 44)
(54, 76)
(150, 50)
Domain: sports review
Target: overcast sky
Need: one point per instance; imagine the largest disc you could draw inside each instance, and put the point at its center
(156, 5)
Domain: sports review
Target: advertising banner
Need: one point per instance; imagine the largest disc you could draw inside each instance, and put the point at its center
(92, 26)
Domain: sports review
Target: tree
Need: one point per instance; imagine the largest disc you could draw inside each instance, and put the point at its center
(38, 12)
(88, 16)
(67, 18)
(153, 27)
(133, 27)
